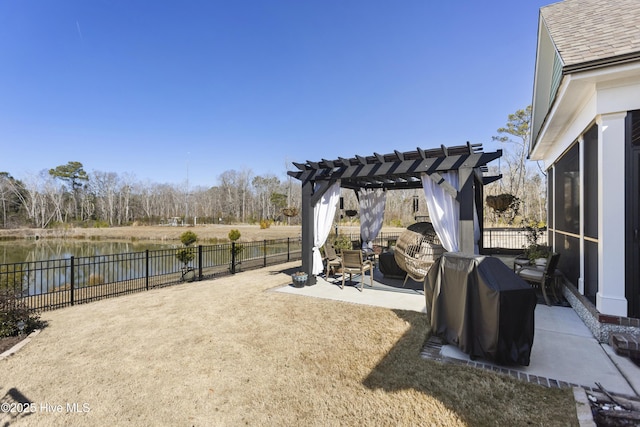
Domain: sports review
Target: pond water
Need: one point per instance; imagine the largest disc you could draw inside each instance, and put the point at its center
(50, 249)
(44, 266)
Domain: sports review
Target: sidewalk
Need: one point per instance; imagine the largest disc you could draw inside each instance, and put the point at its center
(564, 350)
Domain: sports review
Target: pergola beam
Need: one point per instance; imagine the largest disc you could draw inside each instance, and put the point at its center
(413, 167)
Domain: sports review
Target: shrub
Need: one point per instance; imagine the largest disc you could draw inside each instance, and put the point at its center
(188, 238)
(13, 313)
(342, 242)
(185, 255)
(237, 249)
(234, 235)
(396, 223)
(9, 281)
(265, 223)
(214, 240)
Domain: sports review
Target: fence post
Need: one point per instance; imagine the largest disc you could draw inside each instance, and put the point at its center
(288, 249)
(146, 268)
(199, 262)
(72, 281)
(264, 253)
(233, 257)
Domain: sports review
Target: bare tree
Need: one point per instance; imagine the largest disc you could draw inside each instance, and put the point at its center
(10, 197)
(105, 187)
(526, 184)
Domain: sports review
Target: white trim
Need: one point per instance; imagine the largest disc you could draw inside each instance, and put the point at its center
(610, 298)
(582, 209)
(580, 97)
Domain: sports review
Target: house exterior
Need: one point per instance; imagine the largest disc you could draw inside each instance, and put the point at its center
(586, 132)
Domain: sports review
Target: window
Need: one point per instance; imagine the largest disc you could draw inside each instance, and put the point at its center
(550, 223)
(591, 182)
(567, 192)
(635, 127)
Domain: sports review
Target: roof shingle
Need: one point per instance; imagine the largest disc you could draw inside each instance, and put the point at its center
(591, 30)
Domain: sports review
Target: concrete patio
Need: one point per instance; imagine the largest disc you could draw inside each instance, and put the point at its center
(564, 350)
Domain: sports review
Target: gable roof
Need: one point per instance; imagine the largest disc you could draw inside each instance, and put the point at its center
(591, 31)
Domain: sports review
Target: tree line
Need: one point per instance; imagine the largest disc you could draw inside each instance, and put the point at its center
(67, 194)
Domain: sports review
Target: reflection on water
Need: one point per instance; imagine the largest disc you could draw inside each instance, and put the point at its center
(38, 267)
(46, 266)
(51, 249)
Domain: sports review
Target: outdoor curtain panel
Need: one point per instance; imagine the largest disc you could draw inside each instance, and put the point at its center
(444, 210)
(323, 213)
(372, 204)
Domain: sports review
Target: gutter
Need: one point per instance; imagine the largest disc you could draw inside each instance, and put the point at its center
(601, 63)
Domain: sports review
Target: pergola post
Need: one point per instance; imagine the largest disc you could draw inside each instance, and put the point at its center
(466, 197)
(307, 231)
(479, 193)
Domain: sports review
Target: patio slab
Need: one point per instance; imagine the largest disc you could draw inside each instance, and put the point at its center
(564, 350)
(389, 294)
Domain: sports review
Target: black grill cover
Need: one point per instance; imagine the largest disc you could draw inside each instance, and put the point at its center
(480, 305)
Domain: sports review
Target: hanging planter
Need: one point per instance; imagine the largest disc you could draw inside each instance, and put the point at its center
(501, 202)
(351, 213)
(290, 211)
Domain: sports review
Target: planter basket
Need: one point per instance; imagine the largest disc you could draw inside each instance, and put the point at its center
(290, 211)
(501, 202)
(299, 280)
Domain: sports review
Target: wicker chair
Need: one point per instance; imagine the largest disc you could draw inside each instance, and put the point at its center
(417, 248)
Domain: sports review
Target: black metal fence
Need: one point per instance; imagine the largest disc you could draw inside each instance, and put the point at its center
(51, 284)
(514, 239)
(494, 239)
(383, 240)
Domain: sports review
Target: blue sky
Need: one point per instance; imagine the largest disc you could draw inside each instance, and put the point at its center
(163, 90)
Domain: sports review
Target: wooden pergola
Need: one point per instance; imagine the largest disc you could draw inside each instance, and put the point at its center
(396, 171)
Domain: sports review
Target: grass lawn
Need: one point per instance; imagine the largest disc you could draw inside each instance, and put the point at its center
(229, 352)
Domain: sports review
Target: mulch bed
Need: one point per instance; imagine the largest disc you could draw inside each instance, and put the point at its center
(7, 342)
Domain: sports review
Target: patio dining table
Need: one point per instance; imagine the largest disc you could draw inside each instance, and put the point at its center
(480, 305)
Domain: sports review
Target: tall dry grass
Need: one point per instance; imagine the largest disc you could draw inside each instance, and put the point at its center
(230, 351)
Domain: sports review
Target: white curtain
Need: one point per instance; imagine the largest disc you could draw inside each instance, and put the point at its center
(323, 213)
(444, 210)
(372, 204)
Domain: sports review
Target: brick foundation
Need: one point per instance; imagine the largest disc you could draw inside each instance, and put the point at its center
(625, 344)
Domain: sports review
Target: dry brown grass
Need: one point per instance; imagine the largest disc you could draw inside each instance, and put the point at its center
(156, 233)
(249, 232)
(230, 352)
